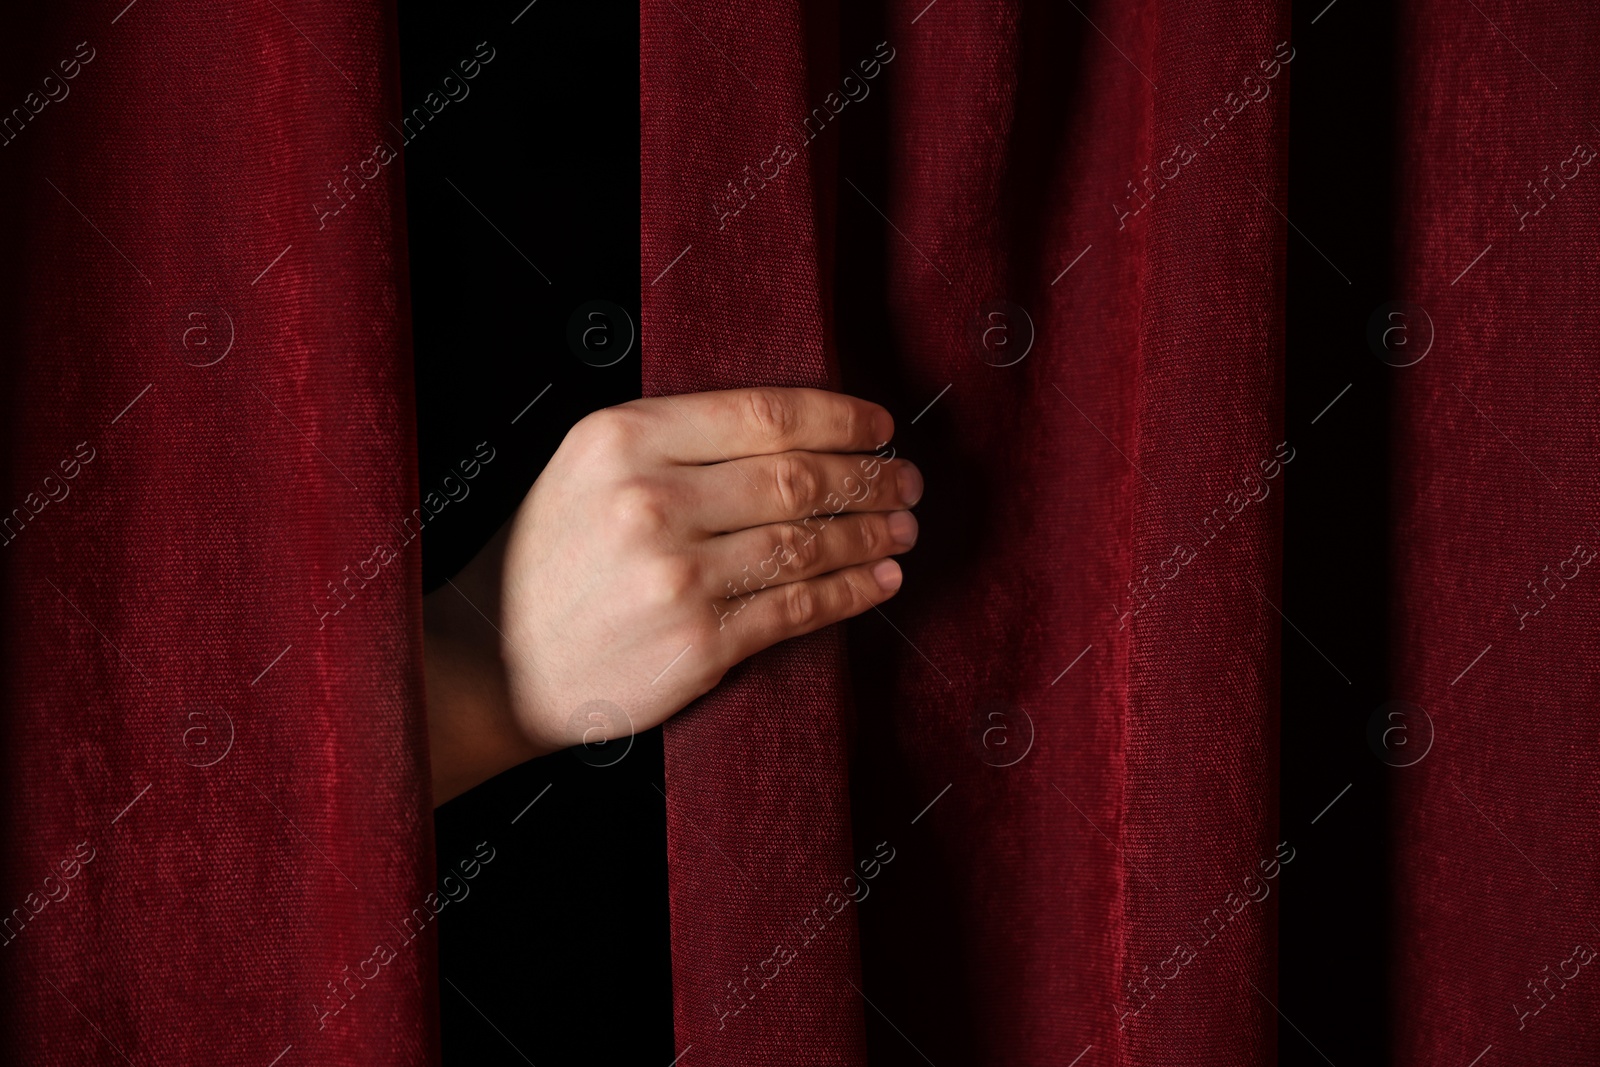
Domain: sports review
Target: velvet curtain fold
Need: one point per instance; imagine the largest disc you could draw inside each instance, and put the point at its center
(1493, 613)
(758, 807)
(217, 823)
(1072, 253)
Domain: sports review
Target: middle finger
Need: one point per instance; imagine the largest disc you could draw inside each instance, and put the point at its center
(789, 486)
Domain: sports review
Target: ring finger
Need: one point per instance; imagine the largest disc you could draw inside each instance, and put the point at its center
(752, 559)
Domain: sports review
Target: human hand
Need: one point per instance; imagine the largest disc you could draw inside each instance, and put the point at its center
(666, 540)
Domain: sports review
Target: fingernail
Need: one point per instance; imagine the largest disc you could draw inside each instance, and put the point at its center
(910, 484)
(903, 528)
(887, 575)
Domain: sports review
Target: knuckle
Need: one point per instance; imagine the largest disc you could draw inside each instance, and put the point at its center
(796, 548)
(670, 579)
(860, 490)
(608, 431)
(640, 506)
(854, 424)
(794, 483)
(772, 414)
(711, 669)
(801, 605)
(873, 535)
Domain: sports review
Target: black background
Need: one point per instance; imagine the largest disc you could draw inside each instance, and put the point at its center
(560, 947)
(1333, 939)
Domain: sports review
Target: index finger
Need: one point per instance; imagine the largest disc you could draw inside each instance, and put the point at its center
(725, 425)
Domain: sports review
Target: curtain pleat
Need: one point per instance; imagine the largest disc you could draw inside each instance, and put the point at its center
(1493, 608)
(1096, 581)
(758, 813)
(216, 810)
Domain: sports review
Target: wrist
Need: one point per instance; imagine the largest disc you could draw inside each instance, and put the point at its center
(473, 733)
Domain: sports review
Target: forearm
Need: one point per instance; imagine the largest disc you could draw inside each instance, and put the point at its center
(472, 733)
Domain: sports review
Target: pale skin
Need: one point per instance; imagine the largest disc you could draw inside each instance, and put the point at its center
(666, 540)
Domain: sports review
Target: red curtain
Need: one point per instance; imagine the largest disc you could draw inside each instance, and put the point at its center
(1120, 205)
(1494, 611)
(1028, 812)
(217, 824)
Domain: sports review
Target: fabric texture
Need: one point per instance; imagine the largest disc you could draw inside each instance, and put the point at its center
(216, 813)
(1494, 609)
(1101, 533)
(758, 811)
(1027, 813)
